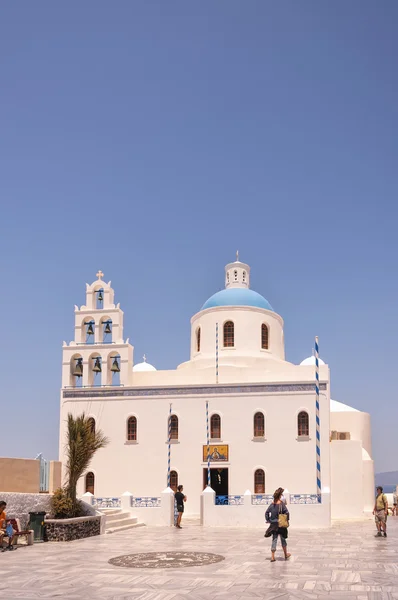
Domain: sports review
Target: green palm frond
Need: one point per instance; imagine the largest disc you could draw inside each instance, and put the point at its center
(81, 445)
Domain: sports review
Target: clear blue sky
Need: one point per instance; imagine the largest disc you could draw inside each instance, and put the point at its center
(152, 139)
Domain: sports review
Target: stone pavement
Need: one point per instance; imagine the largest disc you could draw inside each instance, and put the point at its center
(345, 562)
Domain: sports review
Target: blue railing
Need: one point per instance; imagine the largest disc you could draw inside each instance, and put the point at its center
(107, 502)
(262, 499)
(145, 502)
(229, 500)
(305, 498)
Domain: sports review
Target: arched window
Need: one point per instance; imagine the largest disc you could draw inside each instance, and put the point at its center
(76, 371)
(198, 339)
(99, 298)
(215, 427)
(106, 326)
(91, 424)
(90, 481)
(259, 425)
(229, 334)
(132, 429)
(174, 480)
(90, 331)
(303, 424)
(264, 336)
(174, 427)
(259, 482)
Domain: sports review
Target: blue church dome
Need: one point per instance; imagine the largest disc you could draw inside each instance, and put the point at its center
(237, 297)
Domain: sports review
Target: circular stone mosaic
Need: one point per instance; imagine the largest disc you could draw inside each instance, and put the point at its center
(166, 560)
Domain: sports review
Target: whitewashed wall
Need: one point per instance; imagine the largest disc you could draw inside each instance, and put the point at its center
(302, 516)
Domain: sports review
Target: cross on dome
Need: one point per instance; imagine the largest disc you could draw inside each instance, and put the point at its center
(100, 275)
(144, 357)
(237, 256)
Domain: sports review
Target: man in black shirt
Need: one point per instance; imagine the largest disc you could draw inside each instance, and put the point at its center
(180, 499)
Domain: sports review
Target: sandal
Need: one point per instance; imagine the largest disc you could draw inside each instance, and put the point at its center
(287, 556)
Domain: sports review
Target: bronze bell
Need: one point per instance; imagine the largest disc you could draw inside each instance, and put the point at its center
(115, 366)
(97, 366)
(107, 328)
(90, 329)
(78, 370)
(100, 296)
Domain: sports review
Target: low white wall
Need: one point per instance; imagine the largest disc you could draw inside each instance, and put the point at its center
(369, 490)
(159, 515)
(250, 515)
(347, 479)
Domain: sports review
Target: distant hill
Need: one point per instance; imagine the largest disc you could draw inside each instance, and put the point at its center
(389, 478)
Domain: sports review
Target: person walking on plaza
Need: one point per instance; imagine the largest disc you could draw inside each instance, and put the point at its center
(180, 498)
(380, 512)
(277, 515)
(394, 503)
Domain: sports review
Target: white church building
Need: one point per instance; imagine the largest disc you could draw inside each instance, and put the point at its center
(236, 393)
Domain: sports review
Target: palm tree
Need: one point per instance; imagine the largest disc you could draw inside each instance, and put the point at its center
(82, 443)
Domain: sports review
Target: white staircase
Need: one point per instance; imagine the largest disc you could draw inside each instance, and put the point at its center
(119, 520)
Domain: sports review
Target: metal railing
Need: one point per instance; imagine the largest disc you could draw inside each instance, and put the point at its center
(229, 500)
(107, 502)
(145, 502)
(44, 473)
(262, 499)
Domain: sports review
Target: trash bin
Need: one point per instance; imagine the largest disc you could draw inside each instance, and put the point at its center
(36, 522)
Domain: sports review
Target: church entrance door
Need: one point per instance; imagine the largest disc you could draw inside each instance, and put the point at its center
(218, 481)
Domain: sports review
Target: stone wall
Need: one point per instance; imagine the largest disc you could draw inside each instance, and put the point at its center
(20, 505)
(67, 530)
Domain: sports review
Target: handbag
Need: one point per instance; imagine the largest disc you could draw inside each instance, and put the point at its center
(282, 519)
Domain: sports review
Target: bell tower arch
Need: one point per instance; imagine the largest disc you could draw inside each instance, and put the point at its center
(98, 355)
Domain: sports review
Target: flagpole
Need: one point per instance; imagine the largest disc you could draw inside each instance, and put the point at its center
(208, 443)
(169, 450)
(318, 424)
(216, 352)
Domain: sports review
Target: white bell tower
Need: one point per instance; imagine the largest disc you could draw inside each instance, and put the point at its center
(98, 355)
(237, 274)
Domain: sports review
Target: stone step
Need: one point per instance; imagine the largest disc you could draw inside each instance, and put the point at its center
(117, 516)
(124, 527)
(121, 522)
(110, 511)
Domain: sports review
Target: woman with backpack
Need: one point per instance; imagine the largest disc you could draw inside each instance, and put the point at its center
(277, 515)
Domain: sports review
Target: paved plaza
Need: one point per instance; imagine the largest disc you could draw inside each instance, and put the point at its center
(346, 561)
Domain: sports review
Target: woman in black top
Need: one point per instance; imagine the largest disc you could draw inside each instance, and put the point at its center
(180, 499)
(278, 507)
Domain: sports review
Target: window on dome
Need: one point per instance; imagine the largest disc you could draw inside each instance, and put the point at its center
(228, 276)
(244, 276)
(236, 275)
(259, 425)
(198, 339)
(303, 424)
(90, 482)
(174, 427)
(174, 480)
(215, 427)
(259, 481)
(132, 429)
(264, 336)
(229, 334)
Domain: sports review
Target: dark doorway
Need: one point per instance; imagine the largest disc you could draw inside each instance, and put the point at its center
(218, 481)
